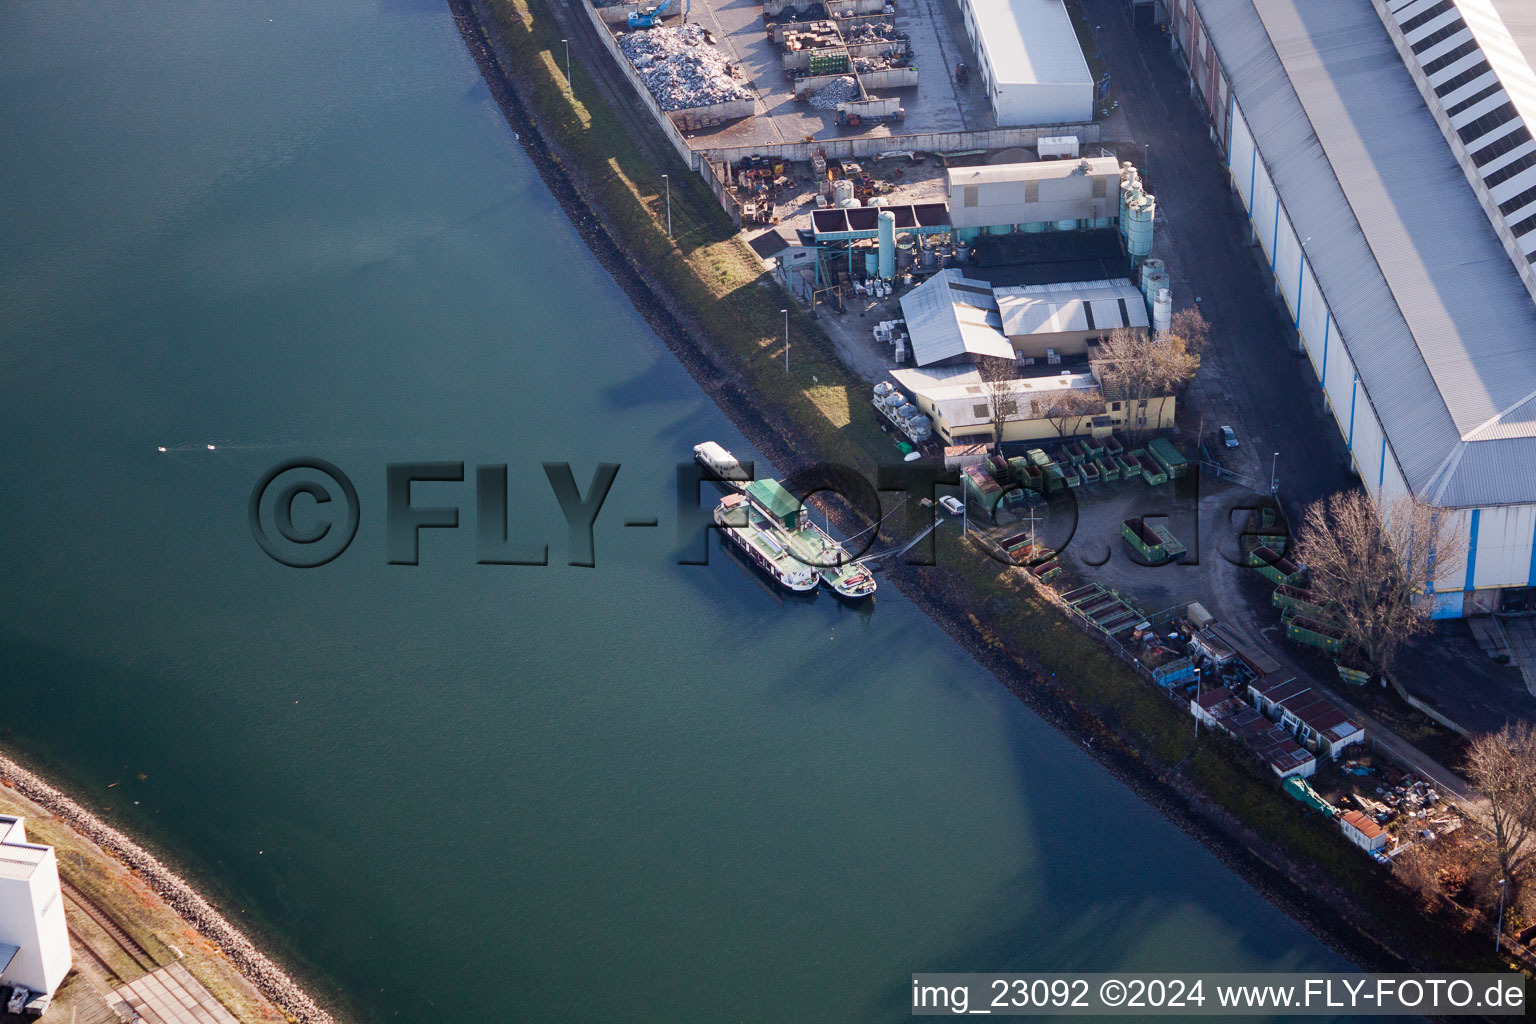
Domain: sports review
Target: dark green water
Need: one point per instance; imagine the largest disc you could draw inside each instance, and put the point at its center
(641, 791)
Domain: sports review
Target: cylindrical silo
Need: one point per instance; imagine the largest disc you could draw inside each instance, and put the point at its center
(1162, 310)
(887, 269)
(1137, 225)
(842, 191)
(1149, 266)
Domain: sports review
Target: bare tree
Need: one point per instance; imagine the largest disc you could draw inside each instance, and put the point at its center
(998, 376)
(1133, 364)
(1371, 567)
(1503, 765)
(1068, 409)
(1191, 327)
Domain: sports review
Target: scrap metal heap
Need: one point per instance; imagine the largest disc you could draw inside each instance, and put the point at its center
(873, 30)
(840, 91)
(680, 69)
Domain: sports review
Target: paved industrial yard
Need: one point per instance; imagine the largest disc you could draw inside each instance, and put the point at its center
(937, 39)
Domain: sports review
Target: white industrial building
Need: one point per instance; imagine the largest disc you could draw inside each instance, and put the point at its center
(1383, 150)
(1030, 61)
(954, 319)
(1042, 321)
(34, 939)
(1045, 195)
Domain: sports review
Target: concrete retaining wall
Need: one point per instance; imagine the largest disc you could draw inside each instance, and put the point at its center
(617, 14)
(925, 142)
(878, 48)
(810, 85)
(696, 162)
(638, 85)
(871, 107)
(714, 113)
(851, 8)
(890, 78)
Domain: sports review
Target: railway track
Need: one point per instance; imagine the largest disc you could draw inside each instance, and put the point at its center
(124, 941)
(82, 943)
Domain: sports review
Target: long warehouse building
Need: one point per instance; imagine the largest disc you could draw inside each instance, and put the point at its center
(1032, 65)
(1383, 150)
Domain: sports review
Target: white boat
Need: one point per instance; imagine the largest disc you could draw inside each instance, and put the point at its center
(751, 530)
(785, 518)
(722, 463)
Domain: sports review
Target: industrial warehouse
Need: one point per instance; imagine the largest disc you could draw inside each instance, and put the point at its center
(1407, 268)
(1029, 61)
(975, 230)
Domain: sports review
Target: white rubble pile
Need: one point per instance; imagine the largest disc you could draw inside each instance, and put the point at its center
(680, 69)
(833, 93)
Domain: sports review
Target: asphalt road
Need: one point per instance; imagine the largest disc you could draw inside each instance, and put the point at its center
(1258, 376)
(1263, 373)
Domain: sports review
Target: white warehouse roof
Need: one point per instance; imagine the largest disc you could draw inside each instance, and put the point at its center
(963, 399)
(1030, 42)
(1439, 326)
(950, 315)
(1073, 306)
(1519, 17)
(1480, 82)
(1037, 170)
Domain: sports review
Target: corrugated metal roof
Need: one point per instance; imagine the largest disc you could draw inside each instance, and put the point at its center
(1440, 328)
(1030, 41)
(1070, 306)
(1038, 170)
(18, 863)
(1360, 823)
(950, 315)
(1519, 16)
(1482, 83)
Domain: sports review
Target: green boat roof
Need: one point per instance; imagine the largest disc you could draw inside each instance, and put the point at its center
(771, 495)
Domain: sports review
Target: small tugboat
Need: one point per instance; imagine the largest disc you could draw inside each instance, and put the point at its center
(758, 536)
(848, 578)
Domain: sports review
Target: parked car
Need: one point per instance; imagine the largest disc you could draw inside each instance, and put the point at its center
(1229, 437)
(952, 505)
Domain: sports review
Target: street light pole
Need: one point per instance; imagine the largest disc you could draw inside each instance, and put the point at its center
(1197, 702)
(668, 180)
(569, 91)
(1272, 464)
(1498, 930)
(786, 339)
